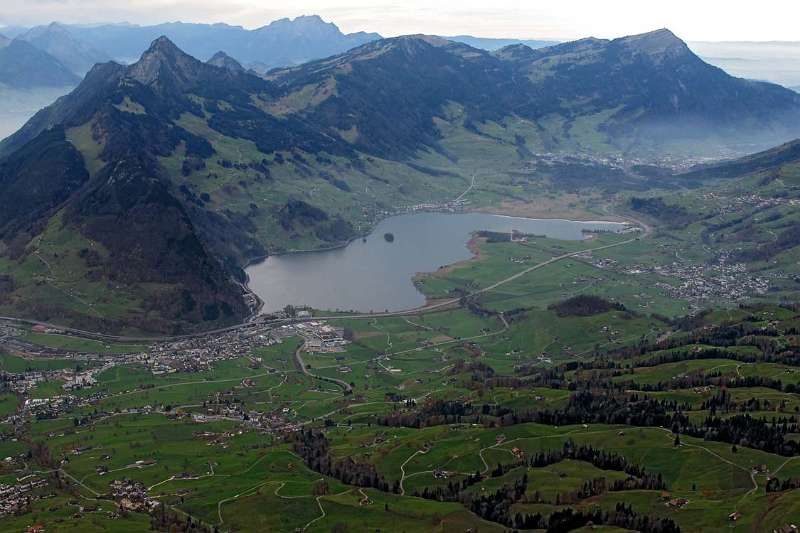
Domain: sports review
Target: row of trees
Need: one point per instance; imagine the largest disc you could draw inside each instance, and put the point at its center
(630, 409)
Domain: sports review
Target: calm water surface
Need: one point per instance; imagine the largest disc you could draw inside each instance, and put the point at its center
(377, 275)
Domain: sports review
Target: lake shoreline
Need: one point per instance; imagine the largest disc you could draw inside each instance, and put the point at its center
(345, 244)
(370, 274)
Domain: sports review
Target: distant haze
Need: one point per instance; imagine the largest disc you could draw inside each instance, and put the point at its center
(778, 62)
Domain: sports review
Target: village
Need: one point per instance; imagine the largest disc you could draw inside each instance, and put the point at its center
(185, 356)
(734, 204)
(16, 498)
(695, 282)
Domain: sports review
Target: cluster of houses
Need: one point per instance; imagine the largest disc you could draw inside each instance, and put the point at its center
(184, 355)
(696, 282)
(22, 382)
(267, 422)
(198, 354)
(734, 204)
(722, 280)
(50, 407)
(131, 495)
(16, 498)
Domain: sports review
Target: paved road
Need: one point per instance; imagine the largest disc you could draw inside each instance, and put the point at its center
(463, 194)
(301, 366)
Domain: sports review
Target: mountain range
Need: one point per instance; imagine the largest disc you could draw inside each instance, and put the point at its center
(280, 43)
(57, 55)
(283, 42)
(136, 200)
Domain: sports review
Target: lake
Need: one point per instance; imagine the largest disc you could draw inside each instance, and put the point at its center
(17, 106)
(376, 275)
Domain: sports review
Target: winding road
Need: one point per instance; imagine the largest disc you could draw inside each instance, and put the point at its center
(301, 366)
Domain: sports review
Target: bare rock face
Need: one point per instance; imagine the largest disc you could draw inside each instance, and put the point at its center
(165, 65)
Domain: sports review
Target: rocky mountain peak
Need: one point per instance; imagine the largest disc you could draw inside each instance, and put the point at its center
(163, 46)
(304, 25)
(164, 64)
(658, 45)
(223, 60)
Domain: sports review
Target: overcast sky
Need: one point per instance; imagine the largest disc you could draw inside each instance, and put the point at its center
(764, 20)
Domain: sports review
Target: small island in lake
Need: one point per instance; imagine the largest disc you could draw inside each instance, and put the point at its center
(389, 237)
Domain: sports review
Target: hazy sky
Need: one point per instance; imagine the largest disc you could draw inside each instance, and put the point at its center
(764, 20)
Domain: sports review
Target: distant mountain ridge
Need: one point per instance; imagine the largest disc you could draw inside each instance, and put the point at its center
(778, 62)
(57, 41)
(282, 42)
(23, 66)
(495, 43)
